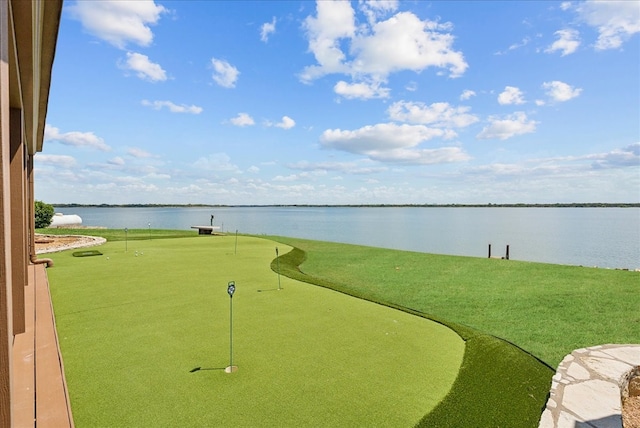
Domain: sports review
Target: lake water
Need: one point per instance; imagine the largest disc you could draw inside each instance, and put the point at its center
(603, 237)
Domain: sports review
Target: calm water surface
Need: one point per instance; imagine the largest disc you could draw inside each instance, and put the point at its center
(604, 237)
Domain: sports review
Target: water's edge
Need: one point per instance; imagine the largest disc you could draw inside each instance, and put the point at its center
(602, 237)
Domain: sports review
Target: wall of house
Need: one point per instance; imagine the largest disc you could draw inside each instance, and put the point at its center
(28, 35)
(6, 312)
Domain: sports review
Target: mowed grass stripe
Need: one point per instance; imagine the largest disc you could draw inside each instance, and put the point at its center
(132, 327)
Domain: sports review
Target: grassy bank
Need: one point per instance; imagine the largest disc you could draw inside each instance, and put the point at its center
(549, 310)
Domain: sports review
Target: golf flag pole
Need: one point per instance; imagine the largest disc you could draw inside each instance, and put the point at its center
(231, 288)
(278, 263)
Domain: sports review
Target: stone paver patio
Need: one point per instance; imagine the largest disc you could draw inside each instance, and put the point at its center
(585, 391)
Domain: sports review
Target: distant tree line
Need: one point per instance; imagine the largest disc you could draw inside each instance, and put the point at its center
(489, 205)
(132, 205)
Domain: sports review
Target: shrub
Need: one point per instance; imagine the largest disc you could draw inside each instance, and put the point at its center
(43, 214)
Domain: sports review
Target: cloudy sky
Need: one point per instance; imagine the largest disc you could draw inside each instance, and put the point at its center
(297, 102)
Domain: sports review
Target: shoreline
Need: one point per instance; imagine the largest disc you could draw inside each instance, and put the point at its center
(518, 205)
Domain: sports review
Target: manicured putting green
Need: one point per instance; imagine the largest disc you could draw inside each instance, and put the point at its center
(86, 253)
(132, 326)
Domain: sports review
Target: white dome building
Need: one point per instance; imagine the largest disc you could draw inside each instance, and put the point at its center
(65, 220)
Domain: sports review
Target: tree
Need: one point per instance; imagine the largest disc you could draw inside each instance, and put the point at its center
(43, 214)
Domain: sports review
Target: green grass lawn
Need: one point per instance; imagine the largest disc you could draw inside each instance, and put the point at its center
(113, 235)
(132, 327)
(549, 310)
(499, 384)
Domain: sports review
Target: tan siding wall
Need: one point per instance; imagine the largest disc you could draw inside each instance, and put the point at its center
(19, 260)
(28, 35)
(6, 317)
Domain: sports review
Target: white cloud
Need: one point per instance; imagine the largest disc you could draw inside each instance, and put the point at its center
(139, 153)
(388, 142)
(333, 21)
(304, 176)
(515, 46)
(62, 161)
(75, 138)
(507, 127)
(118, 22)
(144, 68)
(618, 158)
(173, 108)
(216, 162)
(286, 123)
(568, 41)
(117, 161)
(380, 137)
(286, 178)
(511, 95)
(224, 74)
(524, 42)
(436, 114)
(624, 157)
(361, 90)
(374, 9)
(253, 169)
(155, 176)
(560, 91)
(242, 119)
(267, 29)
(466, 94)
(615, 21)
(376, 48)
(422, 156)
(404, 42)
(353, 168)
(411, 86)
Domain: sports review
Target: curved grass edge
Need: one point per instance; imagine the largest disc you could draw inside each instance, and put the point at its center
(499, 384)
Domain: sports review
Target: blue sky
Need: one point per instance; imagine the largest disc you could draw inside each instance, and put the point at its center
(362, 102)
